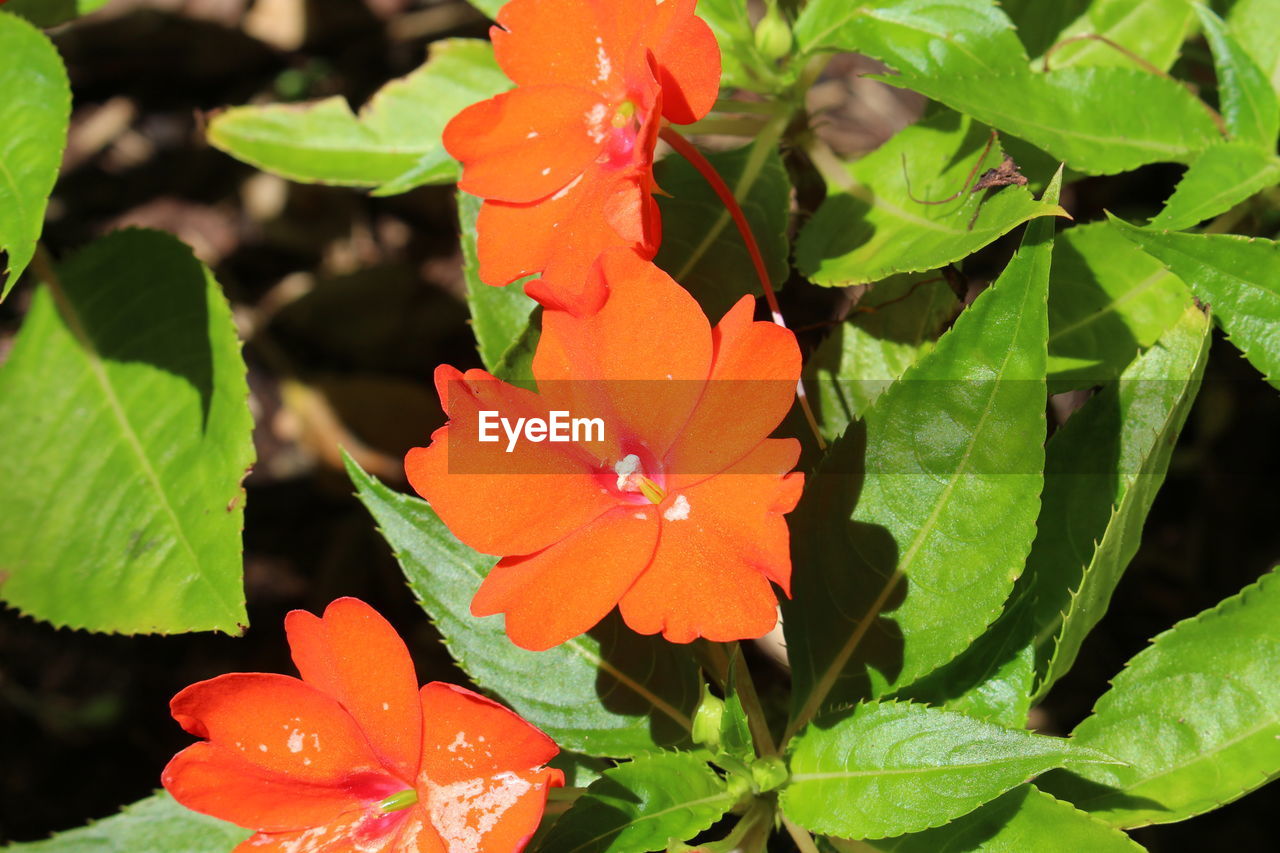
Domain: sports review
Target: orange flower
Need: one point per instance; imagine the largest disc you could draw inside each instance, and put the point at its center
(353, 757)
(676, 515)
(565, 160)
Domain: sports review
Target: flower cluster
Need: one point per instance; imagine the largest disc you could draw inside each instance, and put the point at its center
(676, 517)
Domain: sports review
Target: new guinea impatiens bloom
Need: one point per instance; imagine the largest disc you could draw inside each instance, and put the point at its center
(353, 757)
(565, 160)
(676, 516)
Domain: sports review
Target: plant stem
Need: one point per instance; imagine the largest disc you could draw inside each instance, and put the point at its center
(746, 688)
(802, 838)
(773, 132)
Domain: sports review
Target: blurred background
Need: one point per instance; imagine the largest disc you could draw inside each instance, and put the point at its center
(347, 303)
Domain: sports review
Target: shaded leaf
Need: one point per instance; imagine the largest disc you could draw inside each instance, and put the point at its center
(1248, 103)
(701, 247)
(892, 768)
(499, 315)
(641, 805)
(1239, 277)
(876, 224)
(156, 824)
(394, 143)
(900, 577)
(610, 692)
(1103, 469)
(892, 327)
(34, 113)
(1019, 821)
(50, 13)
(1108, 301)
(1195, 716)
(126, 437)
(1223, 176)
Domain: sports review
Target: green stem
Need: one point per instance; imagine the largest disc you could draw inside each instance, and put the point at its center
(802, 838)
(745, 686)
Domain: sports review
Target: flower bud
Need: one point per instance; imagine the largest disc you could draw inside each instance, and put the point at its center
(773, 36)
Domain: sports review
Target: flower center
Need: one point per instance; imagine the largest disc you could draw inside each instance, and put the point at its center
(400, 800)
(633, 481)
(619, 150)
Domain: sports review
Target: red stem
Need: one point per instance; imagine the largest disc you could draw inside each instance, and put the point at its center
(686, 149)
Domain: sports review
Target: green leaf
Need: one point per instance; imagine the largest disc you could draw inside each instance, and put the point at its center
(33, 131)
(1024, 819)
(930, 37)
(1040, 24)
(903, 575)
(395, 141)
(499, 315)
(1239, 277)
(489, 7)
(965, 54)
(1108, 301)
(741, 66)
(1223, 176)
(1248, 103)
(1253, 22)
(891, 768)
(1195, 716)
(641, 806)
(127, 436)
(701, 247)
(892, 327)
(609, 692)
(877, 222)
(156, 824)
(1104, 468)
(1151, 29)
(50, 13)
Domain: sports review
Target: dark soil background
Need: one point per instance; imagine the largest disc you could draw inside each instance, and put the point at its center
(347, 303)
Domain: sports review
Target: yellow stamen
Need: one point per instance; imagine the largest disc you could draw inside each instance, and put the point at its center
(398, 801)
(652, 491)
(623, 114)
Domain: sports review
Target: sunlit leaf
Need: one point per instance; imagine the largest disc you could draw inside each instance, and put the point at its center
(1151, 29)
(394, 143)
(499, 315)
(1195, 717)
(879, 220)
(1249, 105)
(903, 566)
(34, 112)
(1019, 821)
(1103, 469)
(609, 692)
(1238, 277)
(641, 805)
(890, 768)
(1108, 301)
(127, 433)
(1223, 176)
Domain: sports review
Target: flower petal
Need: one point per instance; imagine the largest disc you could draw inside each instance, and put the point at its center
(562, 235)
(499, 813)
(215, 781)
(528, 143)
(721, 542)
(751, 389)
(362, 831)
(644, 355)
(541, 42)
(558, 593)
(499, 502)
(278, 724)
(688, 61)
(355, 656)
(466, 735)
